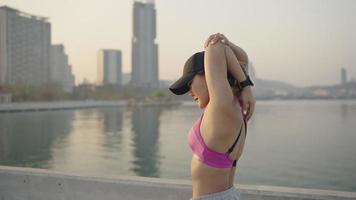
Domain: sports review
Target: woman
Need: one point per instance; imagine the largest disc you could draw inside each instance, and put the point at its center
(218, 136)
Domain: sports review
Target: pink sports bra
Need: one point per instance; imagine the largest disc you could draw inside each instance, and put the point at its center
(206, 155)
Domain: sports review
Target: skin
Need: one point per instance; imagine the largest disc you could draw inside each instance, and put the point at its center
(221, 122)
(199, 91)
(242, 57)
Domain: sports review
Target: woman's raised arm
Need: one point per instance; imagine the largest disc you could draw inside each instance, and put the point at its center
(246, 95)
(215, 63)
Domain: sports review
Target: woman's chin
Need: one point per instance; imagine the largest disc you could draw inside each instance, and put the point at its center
(198, 102)
(201, 105)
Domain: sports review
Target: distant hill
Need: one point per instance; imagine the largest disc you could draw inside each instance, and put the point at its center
(269, 88)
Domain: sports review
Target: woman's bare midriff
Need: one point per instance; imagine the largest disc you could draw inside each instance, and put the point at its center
(207, 180)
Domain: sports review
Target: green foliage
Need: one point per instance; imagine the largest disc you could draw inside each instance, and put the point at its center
(24, 92)
(86, 91)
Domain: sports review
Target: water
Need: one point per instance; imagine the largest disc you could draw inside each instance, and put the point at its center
(310, 144)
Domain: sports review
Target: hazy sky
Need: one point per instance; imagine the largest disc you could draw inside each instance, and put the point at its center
(303, 42)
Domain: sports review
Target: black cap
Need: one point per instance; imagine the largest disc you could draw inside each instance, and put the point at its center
(193, 66)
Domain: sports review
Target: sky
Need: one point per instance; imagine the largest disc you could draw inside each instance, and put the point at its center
(302, 42)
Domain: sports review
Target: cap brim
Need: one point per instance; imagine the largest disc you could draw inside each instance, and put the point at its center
(181, 85)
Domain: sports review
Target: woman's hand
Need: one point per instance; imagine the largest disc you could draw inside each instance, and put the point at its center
(213, 39)
(248, 102)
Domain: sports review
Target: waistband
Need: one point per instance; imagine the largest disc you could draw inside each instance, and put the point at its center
(226, 194)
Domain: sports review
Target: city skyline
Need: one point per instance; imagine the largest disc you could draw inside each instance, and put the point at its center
(314, 39)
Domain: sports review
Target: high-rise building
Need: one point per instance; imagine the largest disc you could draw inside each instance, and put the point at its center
(72, 76)
(144, 48)
(343, 76)
(110, 67)
(60, 70)
(25, 42)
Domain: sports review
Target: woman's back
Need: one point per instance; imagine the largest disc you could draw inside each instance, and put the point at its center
(212, 176)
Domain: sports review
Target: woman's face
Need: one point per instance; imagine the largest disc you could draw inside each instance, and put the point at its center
(199, 90)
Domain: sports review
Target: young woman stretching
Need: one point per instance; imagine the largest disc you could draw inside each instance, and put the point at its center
(217, 80)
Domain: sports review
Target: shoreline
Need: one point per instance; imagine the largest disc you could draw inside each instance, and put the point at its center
(57, 105)
(63, 105)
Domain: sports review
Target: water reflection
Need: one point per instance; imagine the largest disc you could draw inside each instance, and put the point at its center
(111, 128)
(26, 139)
(145, 136)
(289, 143)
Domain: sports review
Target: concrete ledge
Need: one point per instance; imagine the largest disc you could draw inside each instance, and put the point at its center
(39, 184)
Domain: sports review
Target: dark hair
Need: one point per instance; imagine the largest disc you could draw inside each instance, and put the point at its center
(234, 84)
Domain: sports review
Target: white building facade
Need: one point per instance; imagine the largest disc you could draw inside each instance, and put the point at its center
(60, 70)
(25, 42)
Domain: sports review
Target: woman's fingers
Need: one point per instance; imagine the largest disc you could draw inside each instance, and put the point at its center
(226, 41)
(217, 38)
(245, 107)
(248, 105)
(209, 40)
(251, 108)
(214, 39)
(247, 111)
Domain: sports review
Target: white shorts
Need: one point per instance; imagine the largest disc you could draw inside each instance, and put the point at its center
(229, 194)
